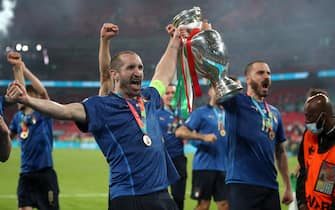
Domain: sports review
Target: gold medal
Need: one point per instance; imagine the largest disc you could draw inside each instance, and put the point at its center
(272, 135)
(222, 132)
(24, 134)
(147, 140)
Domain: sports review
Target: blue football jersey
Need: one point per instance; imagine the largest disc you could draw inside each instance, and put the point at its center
(250, 148)
(135, 168)
(36, 140)
(169, 121)
(208, 156)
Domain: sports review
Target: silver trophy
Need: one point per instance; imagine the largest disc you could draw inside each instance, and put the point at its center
(211, 60)
(189, 18)
(210, 54)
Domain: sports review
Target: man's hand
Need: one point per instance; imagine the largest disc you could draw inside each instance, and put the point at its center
(205, 25)
(108, 30)
(287, 197)
(209, 138)
(16, 93)
(14, 58)
(170, 29)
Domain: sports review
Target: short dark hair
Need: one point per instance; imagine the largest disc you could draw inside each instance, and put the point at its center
(248, 66)
(313, 91)
(116, 62)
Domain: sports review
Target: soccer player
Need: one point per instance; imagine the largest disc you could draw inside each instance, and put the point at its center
(126, 128)
(169, 121)
(38, 184)
(205, 125)
(255, 137)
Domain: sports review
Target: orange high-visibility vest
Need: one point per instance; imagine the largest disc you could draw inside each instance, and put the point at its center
(320, 180)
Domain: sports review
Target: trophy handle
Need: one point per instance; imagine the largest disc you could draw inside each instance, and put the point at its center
(226, 88)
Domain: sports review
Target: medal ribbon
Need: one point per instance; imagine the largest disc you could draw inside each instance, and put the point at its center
(267, 107)
(175, 114)
(219, 118)
(267, 120)
(23, 125)
(141, 120)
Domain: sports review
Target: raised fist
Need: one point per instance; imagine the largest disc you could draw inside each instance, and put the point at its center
(109, 30)
(14, 58)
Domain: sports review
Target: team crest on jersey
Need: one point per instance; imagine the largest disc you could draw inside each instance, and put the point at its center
(326, 178)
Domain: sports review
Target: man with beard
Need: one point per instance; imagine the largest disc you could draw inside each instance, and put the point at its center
(255, 137)
(125, 126)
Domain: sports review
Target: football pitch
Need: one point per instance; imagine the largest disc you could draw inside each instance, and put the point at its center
(83, 180)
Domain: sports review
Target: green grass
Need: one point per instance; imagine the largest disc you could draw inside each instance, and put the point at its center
(83, 180)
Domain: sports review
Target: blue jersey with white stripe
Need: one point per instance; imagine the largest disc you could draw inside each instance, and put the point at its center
(135, 169)
(36, 147)
(251, 150)
(169, 121)
(208, 156)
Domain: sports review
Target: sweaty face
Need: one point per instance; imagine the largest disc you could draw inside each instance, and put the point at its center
(130, 75)
(168, 96)
(259, 79)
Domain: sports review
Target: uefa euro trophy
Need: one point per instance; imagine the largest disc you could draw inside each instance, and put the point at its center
(210, 54)
(211, 61)
(189, 19)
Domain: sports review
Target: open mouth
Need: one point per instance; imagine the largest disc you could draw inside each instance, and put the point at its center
(265, 84)
(135, 81)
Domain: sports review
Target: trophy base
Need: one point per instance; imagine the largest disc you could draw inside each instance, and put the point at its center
(228, 95)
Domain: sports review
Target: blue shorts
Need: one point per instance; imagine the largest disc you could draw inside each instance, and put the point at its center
(160, 200)
(39, 190)
(208, 183)
(250, 197)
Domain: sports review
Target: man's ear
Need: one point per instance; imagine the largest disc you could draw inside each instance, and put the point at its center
(114, 75)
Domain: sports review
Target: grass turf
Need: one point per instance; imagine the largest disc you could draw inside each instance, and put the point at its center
(83, 180)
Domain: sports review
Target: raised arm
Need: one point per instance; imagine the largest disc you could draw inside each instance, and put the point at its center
(185, 133)
(282, 165)
(15, 59)
(166, 68)
(108, 30)
(36, 83)
(5, 141)
(73, 111)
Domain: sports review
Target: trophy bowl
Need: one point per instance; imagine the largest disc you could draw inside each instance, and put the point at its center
(211, 61)
(190, 18)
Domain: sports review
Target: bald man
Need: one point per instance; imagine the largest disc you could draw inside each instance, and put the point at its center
(316, 180)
